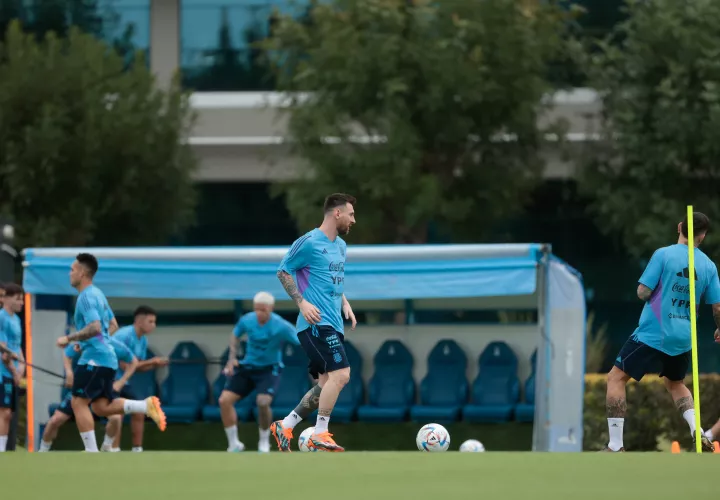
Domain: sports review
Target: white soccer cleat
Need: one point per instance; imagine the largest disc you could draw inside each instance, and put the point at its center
(236, 448)
(106, 447)
(264, 446)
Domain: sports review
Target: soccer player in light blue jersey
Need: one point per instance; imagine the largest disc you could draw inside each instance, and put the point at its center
(12, 367)
(260, 369)
(313, 275)
(65, 412)
(134, 337)
(662, 343)
(95, 374)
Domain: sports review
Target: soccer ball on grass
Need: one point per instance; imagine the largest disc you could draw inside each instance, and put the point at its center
(304, 440)
(433, 437)
(472, 446)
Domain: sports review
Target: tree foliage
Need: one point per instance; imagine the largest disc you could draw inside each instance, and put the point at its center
(90, 153)
(408, 100)
(659, 79)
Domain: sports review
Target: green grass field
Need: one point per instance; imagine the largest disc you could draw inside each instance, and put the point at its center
(359, 475)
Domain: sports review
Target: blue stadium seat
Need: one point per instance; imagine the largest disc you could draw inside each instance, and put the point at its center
(294, 382)
(444, 390)
(525, 412)
(185, 390)
(391, 390)
(496, 389)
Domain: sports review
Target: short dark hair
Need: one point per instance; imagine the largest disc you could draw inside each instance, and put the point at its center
(701, 224)
(11, 289)
(336, 200)
(89, 261)
(144, 311)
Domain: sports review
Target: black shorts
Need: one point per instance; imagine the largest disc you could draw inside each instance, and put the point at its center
(637, 359)
(66, 406)
(324, 346)
(264, 379)
(93, 382)
(7, 393)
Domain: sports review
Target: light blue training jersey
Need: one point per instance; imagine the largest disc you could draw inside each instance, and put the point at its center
(121, 351)
(318, 267)
(137, 345)
(265, 342)
(11, 336)
(92, 306)
(665, 319)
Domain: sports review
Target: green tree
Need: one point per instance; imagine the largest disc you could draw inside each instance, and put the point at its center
(90, 153)
(660, 88)
(435, 83)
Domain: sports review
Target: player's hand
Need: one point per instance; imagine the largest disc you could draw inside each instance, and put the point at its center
(230, 367)
(717, 335)
(310, 312)
(349, 314)
(63, 341)
(77, 348)
(160, 361)
(69, 379)
(118, 385)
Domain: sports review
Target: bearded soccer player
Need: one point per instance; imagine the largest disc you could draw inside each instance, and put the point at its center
(95, 372)
(662, 339)
(313, 275)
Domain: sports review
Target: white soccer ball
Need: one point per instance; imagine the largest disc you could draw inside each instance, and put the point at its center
(433, 437)
(472, 446)
(304, 439)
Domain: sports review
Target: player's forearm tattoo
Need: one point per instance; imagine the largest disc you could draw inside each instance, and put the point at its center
(684, 404)
(289, 285)
(232, 353)
(644, 293)
(309, 403)
(86, 333)
(616, 407)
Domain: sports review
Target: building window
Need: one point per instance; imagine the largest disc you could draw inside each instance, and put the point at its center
(217, 37)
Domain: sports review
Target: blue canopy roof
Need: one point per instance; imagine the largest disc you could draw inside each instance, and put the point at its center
(376, 272)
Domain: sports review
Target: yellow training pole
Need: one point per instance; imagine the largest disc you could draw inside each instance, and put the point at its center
(693, 328)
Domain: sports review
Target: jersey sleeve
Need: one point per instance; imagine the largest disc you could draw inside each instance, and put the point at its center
(70, 351)
(298, 256)
(4, 338)
(289, 333)
(651, 276)
(712, 293)
(86, 309)
(122, 352)
(240, 327)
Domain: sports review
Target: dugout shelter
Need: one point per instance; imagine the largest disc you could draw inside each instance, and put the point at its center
(375, 272)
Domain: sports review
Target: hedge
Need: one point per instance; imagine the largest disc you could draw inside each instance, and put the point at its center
(651, 415)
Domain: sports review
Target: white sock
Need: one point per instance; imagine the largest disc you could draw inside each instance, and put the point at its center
(89, 440)
(322, 424)
(265, 435)
(709, 434)
(3, 443)
(131, 406)
(45, 446)
(615, 426)
(137, 449)
(108, 441)
(291, 420)
(231, 433)
(689, 416)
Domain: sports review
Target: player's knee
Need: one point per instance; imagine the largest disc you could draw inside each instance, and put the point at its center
(340, 377)
(617, 376)
(228, 398)
(263, 400)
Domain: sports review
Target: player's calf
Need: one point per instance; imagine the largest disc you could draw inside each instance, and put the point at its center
(56, 421)
(616, 407)
(263, 402)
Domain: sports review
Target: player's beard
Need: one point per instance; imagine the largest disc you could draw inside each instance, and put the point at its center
(343, 230)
